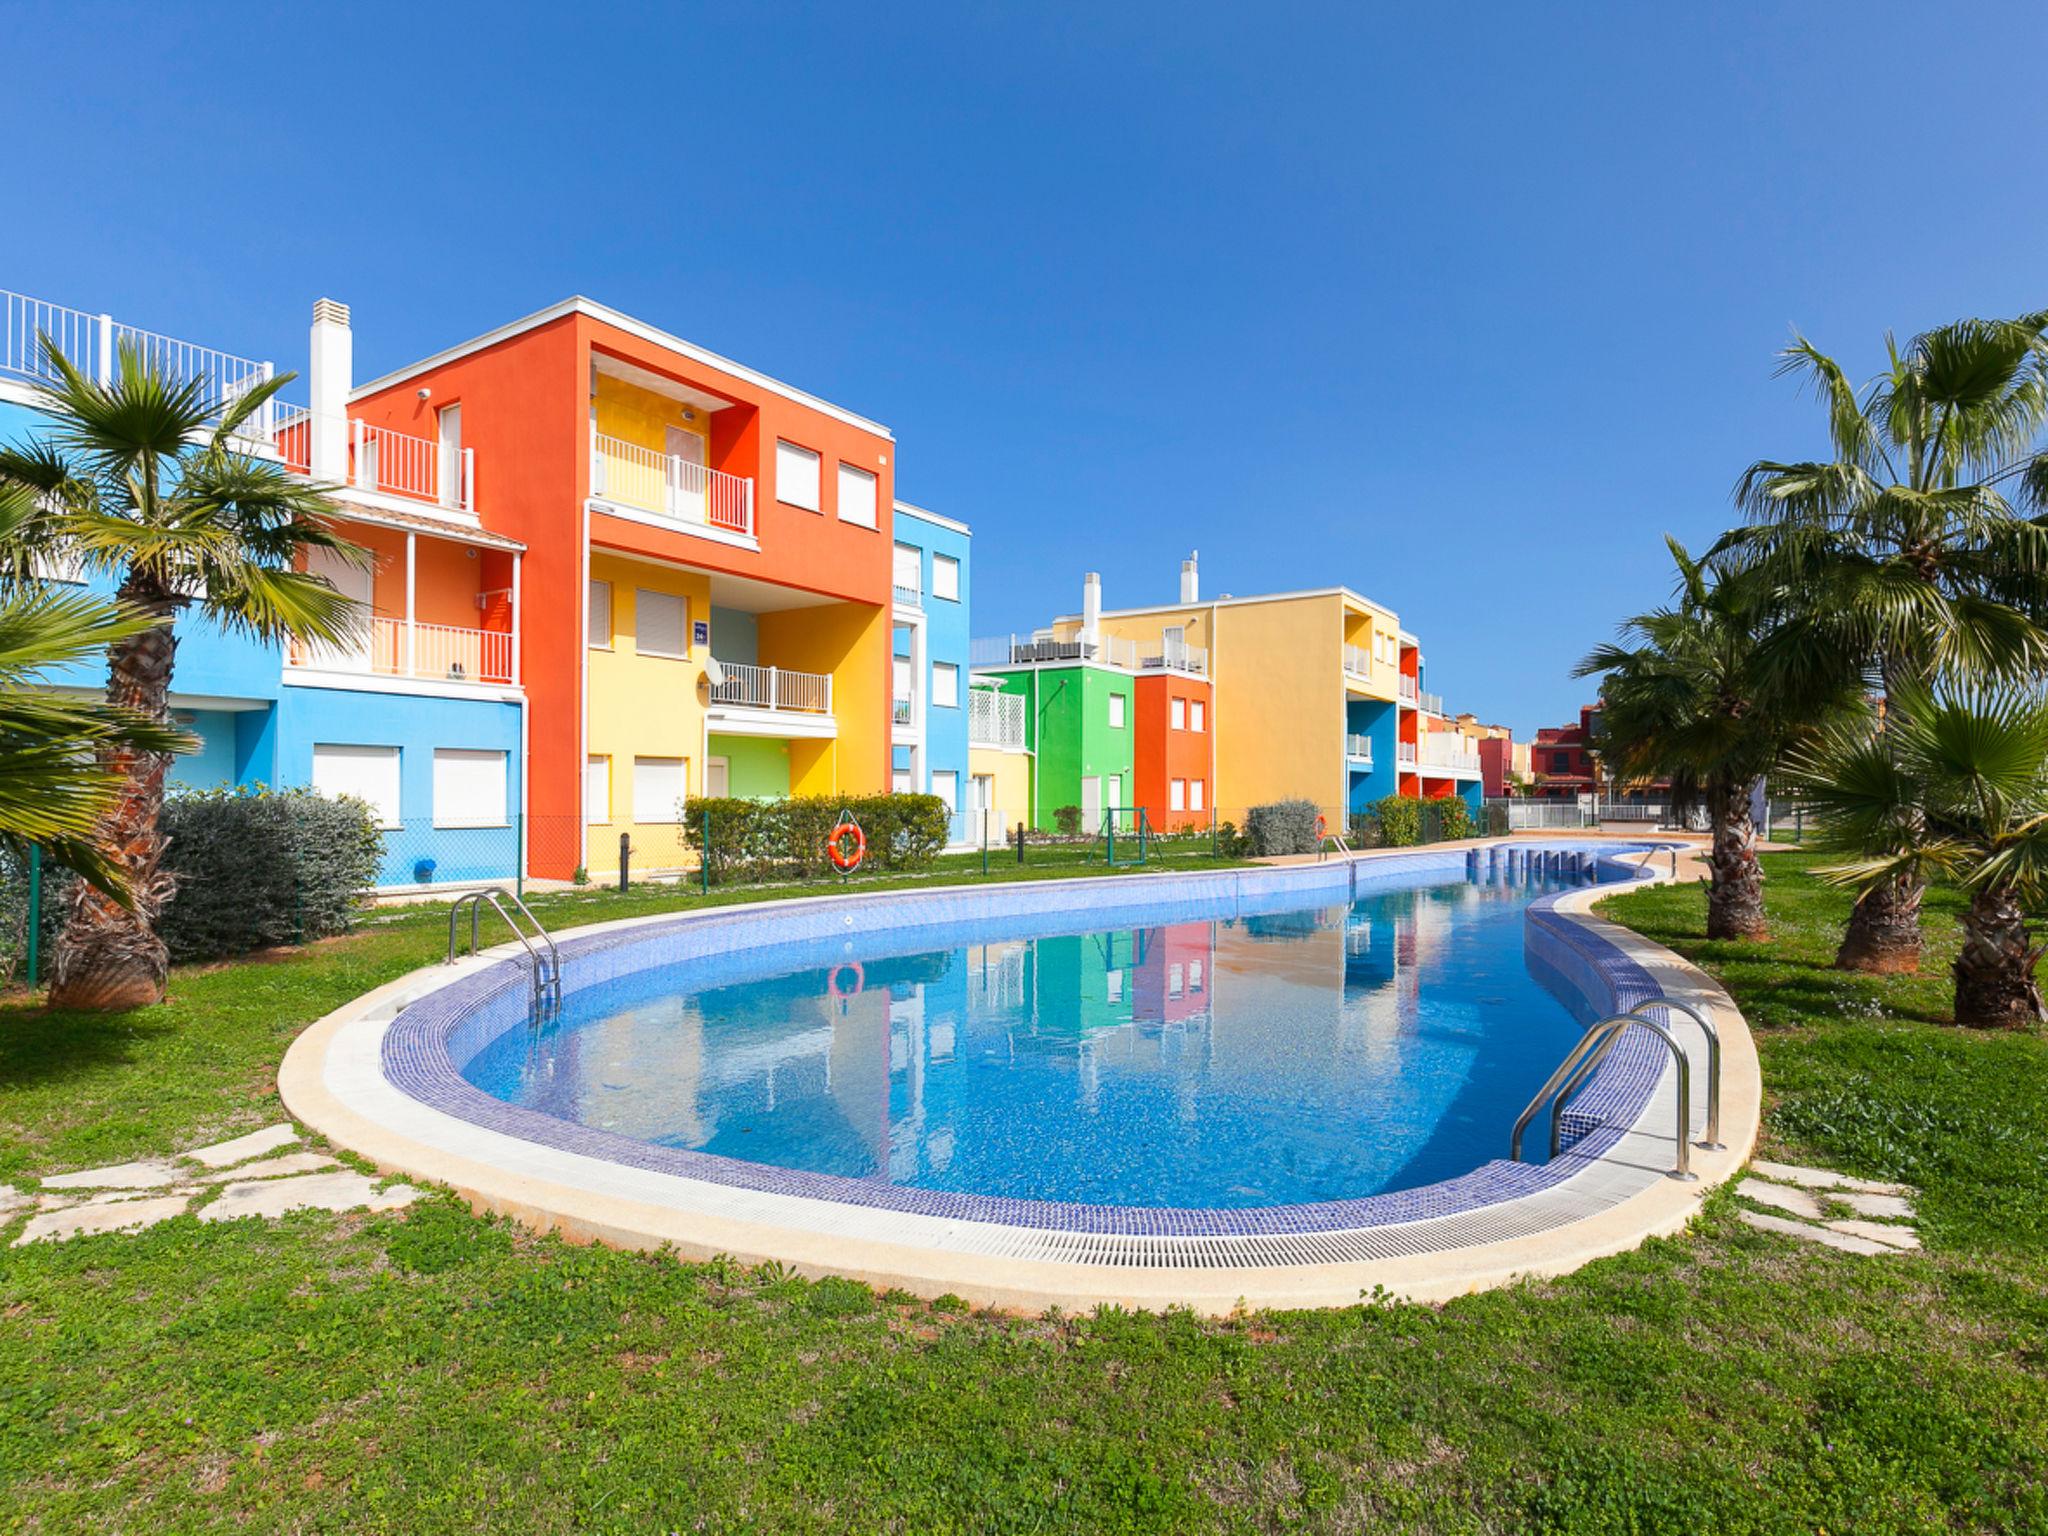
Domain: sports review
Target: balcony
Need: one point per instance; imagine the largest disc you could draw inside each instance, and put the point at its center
(1177, 656)
(775, 689)
(1358, 749)
(672, 487)
(381, 460)
(437, 652)
(1009, 651)
(901, 711)
(995, 719)
(1404, 753)
(1430, 703)
(1358, 660)
(1449, 758)
(1408, 689)
(907, 597)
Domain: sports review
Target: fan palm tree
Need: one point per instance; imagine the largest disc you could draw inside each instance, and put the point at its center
(145, 481)
(1954, 787)
(1688, 697)
(53, 790)
(1909, 544)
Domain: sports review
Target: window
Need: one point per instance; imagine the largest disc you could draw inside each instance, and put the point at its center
(1197, 792)
(449, 418)
(367, 773)
(1177, 795)
(1560, 762)
(469, 788)
(1198, 715)
(856, 496)
(899, 781)
(661, 623)
(909, 568)
(946, 786)
(946, 578)
(600, 614)
(1114, 986)
(597, 790)
(945, 685)
(658, 787)
(1177, 711)
(1176, 981)
(1116, 711)
(796, 475)
(1194, 975)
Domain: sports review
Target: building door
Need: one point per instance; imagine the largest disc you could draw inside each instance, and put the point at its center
(450, 456)
(717, 776)
(983, 792)
(385, 640)
(686, 475)
(1113, 794)
(1091, 804)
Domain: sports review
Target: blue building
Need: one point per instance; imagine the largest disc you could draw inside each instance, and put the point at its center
(425, 716)
(931, 634)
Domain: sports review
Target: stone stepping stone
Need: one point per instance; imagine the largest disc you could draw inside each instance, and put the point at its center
(1823, 1178)
(153, 1174)
(1879, 1232)
(272, 1167)
(1783, 1197)
(343, 1191)
(224, 1153)
(100, 1216)
(1827, 1237)
(12, 1199)
(1892, 1207)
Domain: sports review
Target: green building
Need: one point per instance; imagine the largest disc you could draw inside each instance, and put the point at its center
(1080, 720)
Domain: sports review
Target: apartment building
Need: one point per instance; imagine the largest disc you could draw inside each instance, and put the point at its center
(929, 693)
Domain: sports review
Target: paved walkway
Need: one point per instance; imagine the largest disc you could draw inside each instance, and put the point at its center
(1817, 1205)
(265, 1173)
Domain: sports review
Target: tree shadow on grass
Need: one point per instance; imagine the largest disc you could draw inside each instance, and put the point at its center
(42, 1045)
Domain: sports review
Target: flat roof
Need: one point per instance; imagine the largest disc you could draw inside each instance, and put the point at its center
(938, 518)
(1233, 601)
(576, 304)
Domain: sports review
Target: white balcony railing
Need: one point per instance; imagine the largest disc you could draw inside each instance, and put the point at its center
(1014, 650)
(1408, 688)
(907, 597)
(1178, 656)
(1404, 753)
(751, 687)
(1455, 759)
(1358, 660)
(901, 711)
(995, 719)
(1358, 749)
(381, 459)
(441, 652)
(670, 486)
(93, 343)
(1433, 703)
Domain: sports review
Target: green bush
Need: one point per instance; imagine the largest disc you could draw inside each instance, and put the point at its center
(14, 913)
(1400, 818)
(1453, 819)
(1068, 819)
(786, 839)
(1284, 826)
(257, 867)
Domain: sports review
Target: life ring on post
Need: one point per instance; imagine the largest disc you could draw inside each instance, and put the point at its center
(835, 846)
(860, 980)
(1322, 827)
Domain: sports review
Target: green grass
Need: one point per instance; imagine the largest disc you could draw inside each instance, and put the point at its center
(425, 1371)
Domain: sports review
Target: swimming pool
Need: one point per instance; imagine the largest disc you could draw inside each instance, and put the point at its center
(1274, 1086)
(1273, 1055)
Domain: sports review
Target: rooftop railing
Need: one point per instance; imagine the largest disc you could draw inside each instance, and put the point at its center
(1012, 651)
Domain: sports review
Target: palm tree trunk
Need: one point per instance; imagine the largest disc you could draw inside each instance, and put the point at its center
(1883, 935)
(108, 956)
(1995, 985)
(1735, 898)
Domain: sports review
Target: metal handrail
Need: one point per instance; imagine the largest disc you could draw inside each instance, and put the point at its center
(1322, 846)
(1595, 1042)
(546, 969)
(1713, 1134)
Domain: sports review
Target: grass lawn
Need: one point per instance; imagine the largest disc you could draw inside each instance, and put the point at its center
(424, 1371)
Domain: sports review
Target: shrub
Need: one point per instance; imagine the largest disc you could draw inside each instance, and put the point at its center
(258, 867)
(1068, 819)
(1284, 826)
(57, 884)
(1454, 819)
(1400, 818)
(1365, 830)
(785, 839)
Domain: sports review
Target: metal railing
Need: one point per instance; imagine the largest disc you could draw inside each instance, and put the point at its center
(1577, 1069)
(544, 960)
(1357, 659)
(1178, 656)
(670, 485)
(1404, 753)
(1010, 650)
(995, 719)
(901, 710)
(92, 343)
(1358, 749)
(399, 464)
(907, 597)
(1433, 703)
(752, 687)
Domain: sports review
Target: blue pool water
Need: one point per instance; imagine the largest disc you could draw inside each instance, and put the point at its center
(1294, 1056)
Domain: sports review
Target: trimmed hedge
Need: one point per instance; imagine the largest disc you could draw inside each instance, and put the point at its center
(785, 839)
(1283, 826)
(258, 867)
(1402, 821)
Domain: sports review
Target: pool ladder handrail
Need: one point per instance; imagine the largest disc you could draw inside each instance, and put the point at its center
(1577, 1067)
(1712, 1140)
(1323, 846)
(545, 965)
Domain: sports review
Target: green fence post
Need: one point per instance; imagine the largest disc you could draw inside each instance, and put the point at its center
(35, 911)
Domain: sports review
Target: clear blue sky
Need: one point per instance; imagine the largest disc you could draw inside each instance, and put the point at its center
(1463, 307)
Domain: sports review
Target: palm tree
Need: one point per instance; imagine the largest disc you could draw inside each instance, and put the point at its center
(1954, 787)
(52, 794)
(1692, 700)
(145, 481)
(1906, 544)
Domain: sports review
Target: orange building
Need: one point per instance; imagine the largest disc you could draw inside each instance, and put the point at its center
(1173, 756)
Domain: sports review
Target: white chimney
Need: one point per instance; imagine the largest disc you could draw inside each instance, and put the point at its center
(329, 379)
(1091, 608)
(1190, 583)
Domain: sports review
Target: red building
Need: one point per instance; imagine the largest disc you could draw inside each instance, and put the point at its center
(1563, 758)
(1172, 757)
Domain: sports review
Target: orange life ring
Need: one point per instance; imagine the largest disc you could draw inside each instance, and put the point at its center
(835, 846)
(860, 980)
(1322, 827)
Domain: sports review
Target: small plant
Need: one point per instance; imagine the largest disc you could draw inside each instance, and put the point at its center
(1068, 819)
(1282, 827)
(582, 875)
